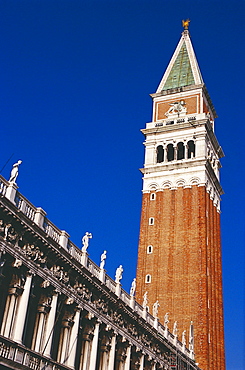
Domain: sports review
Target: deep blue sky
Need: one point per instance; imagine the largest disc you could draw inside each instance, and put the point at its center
(75, 79)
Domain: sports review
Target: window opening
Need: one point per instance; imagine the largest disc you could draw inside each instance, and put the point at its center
(191, 149)
(151, 221)
(148, 278)
(180, 151)
(170, 153)
(153, 196)
(149, 249)
(160, 154)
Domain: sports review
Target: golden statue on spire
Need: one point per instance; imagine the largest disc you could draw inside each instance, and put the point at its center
(185, 24)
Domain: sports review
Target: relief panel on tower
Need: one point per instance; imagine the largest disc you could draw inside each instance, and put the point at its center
(178, 107)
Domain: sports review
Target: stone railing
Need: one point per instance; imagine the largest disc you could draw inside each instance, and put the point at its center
(12, 353)
(61, 237)
(25, 206)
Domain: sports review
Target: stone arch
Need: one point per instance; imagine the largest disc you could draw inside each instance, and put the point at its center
(167, 185)
(153, 186)
(181, 182)
(195, 181)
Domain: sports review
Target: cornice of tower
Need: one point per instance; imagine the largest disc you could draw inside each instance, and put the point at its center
(154, 128)
(175, 90)
(178, 166)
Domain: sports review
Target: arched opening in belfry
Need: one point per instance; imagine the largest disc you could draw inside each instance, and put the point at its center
(160, 154)
(191, 149)
(180, 151)
(170, 152)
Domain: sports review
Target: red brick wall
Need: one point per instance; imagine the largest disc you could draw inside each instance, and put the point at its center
(185, 267)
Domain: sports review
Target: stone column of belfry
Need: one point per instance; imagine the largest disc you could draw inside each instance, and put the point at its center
(179, 245)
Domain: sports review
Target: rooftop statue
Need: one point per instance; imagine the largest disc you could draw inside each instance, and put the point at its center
(133, 287)
(14, 172)
(102, 260)
(183, 338)
(118, 275)
(175, 329)
(166, 320)
(145, 300)
(155, 309)
(85, 241)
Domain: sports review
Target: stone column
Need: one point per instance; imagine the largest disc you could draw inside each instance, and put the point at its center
(64, 338)
(142, 358)
(105, 347)
(127, 360)
(85, 352)
(42, 310)
(39, 331)
(21, 311)
(153, 366)
(73, 339)
(165, 153)
(94, 347)
(185, 151)
(112, 353)
(122, 354)
(175, 152)
(47, 342)
(9, 313)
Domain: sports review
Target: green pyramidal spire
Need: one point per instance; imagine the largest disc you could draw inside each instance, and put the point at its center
(183, 69)
(181, 72)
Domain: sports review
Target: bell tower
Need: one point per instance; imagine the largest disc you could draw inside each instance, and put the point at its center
(179, 255)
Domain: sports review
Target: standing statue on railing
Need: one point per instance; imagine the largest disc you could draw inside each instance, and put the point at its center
(102, 260)
(191, 337)
(155, 309)
(183, 338)
(14, 172)
(175, 329)
(166, 320)
(118, 275)
(133, 287)
(145, 300)
(85, 241)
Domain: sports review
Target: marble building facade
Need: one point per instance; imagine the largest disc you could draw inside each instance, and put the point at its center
(59, 310)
